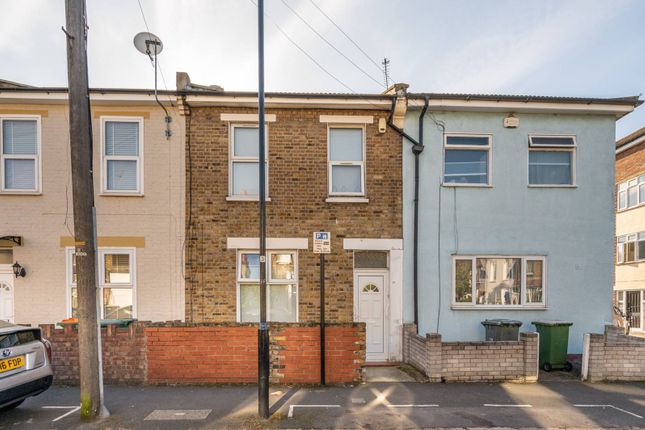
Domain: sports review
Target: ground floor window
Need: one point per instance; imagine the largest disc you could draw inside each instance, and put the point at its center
(282, 286)
(117, 282)
(499, 281)
(631, 304)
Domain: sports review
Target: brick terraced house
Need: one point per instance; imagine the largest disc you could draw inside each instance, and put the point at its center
(333, 165)
(630, 229)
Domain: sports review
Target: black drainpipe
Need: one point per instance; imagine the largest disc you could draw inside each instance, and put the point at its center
(417, 149)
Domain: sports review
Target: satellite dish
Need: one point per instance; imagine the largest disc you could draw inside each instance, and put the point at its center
(147, 43)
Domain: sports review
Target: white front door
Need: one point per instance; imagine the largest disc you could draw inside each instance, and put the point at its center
(6, 297)
(371, 309)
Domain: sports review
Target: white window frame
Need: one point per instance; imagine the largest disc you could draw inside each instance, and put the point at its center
(37, 157)
(331, 163)
(488, 148)
(621, 247)
(622, 305)
(139, 159)
(523, 305)
(269, 281)
(100, 256)
(623, 187)
(552, 148)
(232, 158)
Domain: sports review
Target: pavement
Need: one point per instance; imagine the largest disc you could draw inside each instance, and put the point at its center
(382, 405)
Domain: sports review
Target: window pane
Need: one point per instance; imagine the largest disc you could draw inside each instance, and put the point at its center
(620, 253)
(346, 179)
(74, 302)
(246, 142)
(550, 168)
(641, 250)
(504, 286)
(561, 141)
(282, 266)
(463, 281)
(370, 260)
(629, 251)
(346, 144)
(6, 256)
(117, 269)
(534, 281)
(19, 137)
(249, 266)
(467, 140)
(246, 179)
(117, 303)
(283, 303)
(249, 303)
(641, 193)
(622, 200)
(122, 175)
(632, 196)
(121, 138)
(466, 167)
(20, 174)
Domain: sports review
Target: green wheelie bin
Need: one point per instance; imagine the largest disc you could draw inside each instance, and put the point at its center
(554, 340)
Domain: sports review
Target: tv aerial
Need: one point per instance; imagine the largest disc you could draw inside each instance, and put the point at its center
(149, 44)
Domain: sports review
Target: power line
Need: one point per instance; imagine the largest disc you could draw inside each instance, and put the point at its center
(331, 45)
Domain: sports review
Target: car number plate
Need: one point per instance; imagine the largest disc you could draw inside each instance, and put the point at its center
(12, 363)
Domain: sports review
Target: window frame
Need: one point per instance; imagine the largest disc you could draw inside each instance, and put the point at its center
(622, 242)
(552, 148)
(362, 164)
(624, 187)
(139, 158)
(488, 148)
(100, 256)
(269, 281)
(37, 157)
(241, 159)
(522, 306)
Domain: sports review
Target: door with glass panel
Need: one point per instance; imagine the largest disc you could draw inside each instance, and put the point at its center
(634, 309)
(6, 297)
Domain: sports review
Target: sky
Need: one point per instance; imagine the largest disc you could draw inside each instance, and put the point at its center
(587, 48)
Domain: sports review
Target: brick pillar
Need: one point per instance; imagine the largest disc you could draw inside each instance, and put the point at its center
(596, 358)
(433, 357)
(530, 343)
(408, 329)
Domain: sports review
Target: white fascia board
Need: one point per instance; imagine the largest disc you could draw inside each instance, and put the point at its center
(373, 244)
(347, 119)
(246, 117)
(630, 145)
(272, 243)
(289, 102)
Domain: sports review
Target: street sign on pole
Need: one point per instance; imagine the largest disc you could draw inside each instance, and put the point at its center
(322, 242)
(322, 246)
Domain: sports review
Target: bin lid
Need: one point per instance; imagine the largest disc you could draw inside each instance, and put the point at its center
(502, 322)
(552, 323)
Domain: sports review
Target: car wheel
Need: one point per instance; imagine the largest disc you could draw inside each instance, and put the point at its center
(568, 366)
(547, 367)
(11, 406)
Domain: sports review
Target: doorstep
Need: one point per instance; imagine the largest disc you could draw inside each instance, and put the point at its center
(386, 374)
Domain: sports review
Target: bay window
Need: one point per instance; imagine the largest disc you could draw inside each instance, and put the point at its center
(492, 281)
(282, 286)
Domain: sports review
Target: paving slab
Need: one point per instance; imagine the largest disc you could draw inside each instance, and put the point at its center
(386, 374)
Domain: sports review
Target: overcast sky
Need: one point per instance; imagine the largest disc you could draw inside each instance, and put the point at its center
(592, 48)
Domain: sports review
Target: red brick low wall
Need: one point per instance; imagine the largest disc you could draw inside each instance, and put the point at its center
(194, 354)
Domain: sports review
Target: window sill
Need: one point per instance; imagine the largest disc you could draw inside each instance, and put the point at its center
(111, 194)
(448, 184)
(347, 199)
(552, 186)
(20, 193)
(499, 308)
(640, 205)
(245, 199)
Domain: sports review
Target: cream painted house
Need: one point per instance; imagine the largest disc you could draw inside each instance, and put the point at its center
(630, 229)
(139, 189)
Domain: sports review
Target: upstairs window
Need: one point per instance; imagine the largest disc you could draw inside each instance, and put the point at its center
(122, 156)
(466, 160)
(245, 161)
(20, 154)
(346, 161)
(631, 193)
(552, 160)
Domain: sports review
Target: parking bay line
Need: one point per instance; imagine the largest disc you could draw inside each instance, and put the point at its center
(412, 406)
(493, 405)
(73, 409)
(292, 407)
(609, 406)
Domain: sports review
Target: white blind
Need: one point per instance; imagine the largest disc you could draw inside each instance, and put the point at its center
(19, 137)
(19, 174)
(122, 138)
(122, 175)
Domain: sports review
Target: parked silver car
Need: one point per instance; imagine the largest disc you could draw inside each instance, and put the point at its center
(25, 364)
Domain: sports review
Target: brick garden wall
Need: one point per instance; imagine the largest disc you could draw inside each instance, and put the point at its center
(472, 361)
(613, 356)
(198, 354)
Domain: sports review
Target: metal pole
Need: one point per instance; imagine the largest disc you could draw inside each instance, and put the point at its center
(263, 330)
(322, 319)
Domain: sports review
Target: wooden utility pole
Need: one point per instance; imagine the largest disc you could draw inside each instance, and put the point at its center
(80, 132)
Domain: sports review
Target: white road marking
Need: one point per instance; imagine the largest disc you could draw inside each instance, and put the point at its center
(412, 406)
(493, 405)
(292, 407)
(358, 400)
(609, 406)
(73, 409)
